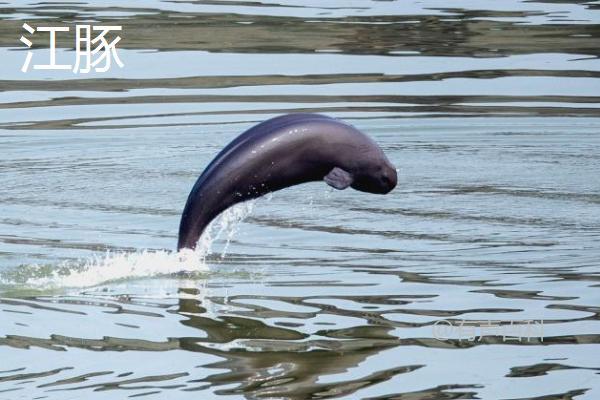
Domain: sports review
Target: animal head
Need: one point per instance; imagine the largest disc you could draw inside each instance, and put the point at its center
(372, 172)
(379, 177)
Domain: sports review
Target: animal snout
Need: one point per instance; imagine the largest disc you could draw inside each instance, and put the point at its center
(389, 179)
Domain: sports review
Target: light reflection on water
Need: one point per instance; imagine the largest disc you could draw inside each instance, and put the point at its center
(488, 109)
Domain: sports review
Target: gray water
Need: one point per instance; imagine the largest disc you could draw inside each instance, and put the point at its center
(478, 277)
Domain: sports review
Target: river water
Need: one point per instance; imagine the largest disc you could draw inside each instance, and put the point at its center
(478, 277)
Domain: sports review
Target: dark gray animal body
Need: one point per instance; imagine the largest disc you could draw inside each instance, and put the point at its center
(282, 152)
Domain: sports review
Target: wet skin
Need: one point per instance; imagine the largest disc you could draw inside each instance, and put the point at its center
(283, 152)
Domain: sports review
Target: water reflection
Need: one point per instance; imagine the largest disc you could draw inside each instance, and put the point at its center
(258, 359)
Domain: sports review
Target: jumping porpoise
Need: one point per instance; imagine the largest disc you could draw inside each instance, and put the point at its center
(282, 152)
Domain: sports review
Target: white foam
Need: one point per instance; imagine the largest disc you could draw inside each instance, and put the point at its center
(114, 266)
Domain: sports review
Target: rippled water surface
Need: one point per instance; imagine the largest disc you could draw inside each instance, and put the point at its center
(478, 277)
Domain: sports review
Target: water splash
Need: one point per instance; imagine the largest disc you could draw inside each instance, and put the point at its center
(227, 226)
(117, 266)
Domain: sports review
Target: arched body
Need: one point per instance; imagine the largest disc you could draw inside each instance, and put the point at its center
(282, 152)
